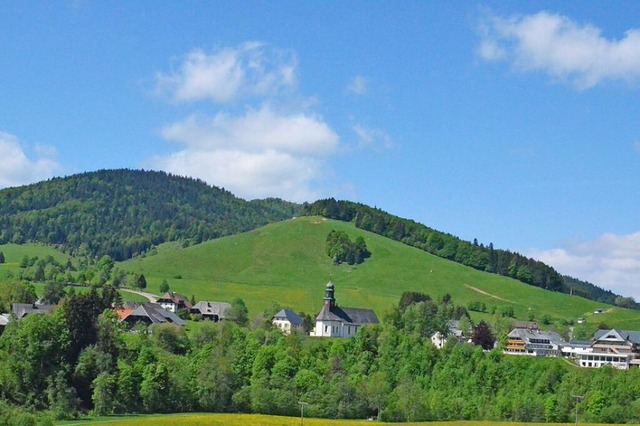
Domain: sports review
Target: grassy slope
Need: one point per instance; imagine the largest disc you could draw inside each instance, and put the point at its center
(286, 263)
(14, 253)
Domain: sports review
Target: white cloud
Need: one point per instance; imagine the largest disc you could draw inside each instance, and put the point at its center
(610, 261)
(17, 169)
(562, 48)
(260, 154)
(257, 130)
(372, 138)
(358, 85)
(251, 69)
(253, 149)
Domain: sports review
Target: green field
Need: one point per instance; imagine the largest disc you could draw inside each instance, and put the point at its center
(286, 263)
(14, 253)
(263, 420)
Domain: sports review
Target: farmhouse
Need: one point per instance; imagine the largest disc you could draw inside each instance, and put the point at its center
(213, 311)
(149, 313)
(287, 320)
(20, 310)
(333, 321)
(173, 302)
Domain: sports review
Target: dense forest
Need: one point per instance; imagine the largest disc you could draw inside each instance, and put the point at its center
(122, 213)
(473, 254)
(81, 360)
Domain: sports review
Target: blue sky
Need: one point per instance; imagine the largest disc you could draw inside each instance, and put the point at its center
(510, 122)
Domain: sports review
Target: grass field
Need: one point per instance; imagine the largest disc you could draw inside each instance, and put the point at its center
(286, 263)
(14, 253)
(261, 420)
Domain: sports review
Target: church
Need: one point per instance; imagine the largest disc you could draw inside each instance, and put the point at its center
(334, 321)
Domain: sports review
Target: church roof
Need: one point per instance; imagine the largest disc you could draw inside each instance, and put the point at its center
(358, 316)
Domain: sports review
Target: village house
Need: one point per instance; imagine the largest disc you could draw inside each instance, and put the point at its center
(287, 321)
(453, 331)
(173, 302)
(212, 311)
(4, 320)
(575, 348)
(148, 314)
(20, 310)
(334, 321)
(617, 348)
(534, 342)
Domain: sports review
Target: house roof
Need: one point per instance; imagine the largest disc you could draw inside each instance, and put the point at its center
(289, 315)
(580, 343)
(356, 316)
(531, 325)
(176, 298)
(528, 335)
(212, 308)
(156, 313)
(4, 319)
(19, 310)
(631, 336)
(454, 328)
(124, 312)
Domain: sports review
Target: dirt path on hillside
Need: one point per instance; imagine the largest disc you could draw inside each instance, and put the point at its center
(152, 297)
(477, 290)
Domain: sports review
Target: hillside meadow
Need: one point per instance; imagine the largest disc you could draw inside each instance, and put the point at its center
(264, 420)
(15, 252)
(285, 263)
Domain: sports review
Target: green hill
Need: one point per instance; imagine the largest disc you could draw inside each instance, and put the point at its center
(124, 212)
(286, 263)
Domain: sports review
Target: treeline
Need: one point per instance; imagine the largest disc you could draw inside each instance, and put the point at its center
(122, 213)
(78, 361)
(473, 254)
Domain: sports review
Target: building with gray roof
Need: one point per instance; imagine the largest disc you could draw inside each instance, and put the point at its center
(152, 313)
(20, 310)
(214, 311)
(286, 320)
(533, 342)
(335, 321)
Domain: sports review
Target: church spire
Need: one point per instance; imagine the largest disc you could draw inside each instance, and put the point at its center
(329, 298)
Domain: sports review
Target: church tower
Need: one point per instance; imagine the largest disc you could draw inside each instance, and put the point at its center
(329, 299)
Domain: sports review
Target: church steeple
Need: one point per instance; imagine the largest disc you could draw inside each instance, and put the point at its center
(329, 299)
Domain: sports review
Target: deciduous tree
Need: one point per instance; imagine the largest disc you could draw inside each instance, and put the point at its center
(482, 336)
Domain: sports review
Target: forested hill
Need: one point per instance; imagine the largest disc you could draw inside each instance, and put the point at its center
(123, 212)
(478, 256)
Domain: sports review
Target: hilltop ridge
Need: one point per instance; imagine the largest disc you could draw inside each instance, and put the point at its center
(124, 212)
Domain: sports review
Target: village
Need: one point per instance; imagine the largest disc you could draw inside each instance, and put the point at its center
(619, 349)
